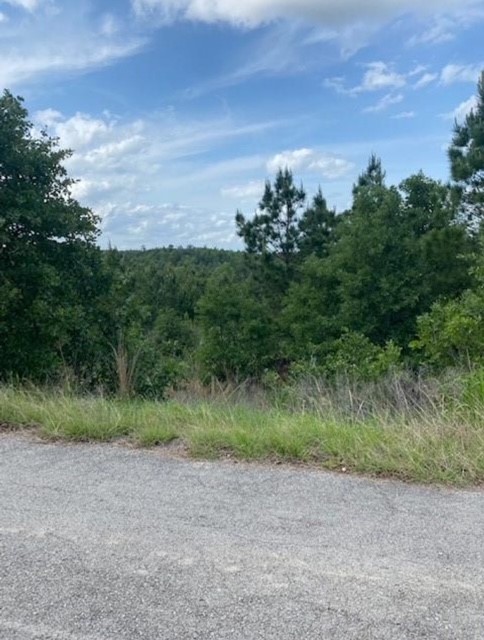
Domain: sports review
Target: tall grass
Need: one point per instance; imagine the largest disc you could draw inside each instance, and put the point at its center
(429, 431)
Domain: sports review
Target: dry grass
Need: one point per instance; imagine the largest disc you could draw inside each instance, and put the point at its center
(428, 432)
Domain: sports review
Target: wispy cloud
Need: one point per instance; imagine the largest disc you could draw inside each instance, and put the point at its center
(131, 226)
(378, 76)
(253, 13)
(125, 168)
(425, 80)
(299, 28)
(453, 73)
(385, 103)
(404, 115)
(328, 166)
(76, 42)
(248, 191)
(462, 110)
(29, 5)
(447, 23)
(443, 30)
(279, 50)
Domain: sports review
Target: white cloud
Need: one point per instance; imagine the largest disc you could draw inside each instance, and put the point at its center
(253, 13)
(441, 31)
(448, 22)
(253, 189)
(337, 84)
(76, 132)
(416, 71)
(60, 39)
(379, 76)
(47, 117)
(453, 73)
(385, 103)
(16, 68)
(462, 110)
(425, 80)
(404, 115)
(294, 160)
(112, 154)
(125, 169)
(328, 166)
(84, 189)
(29, 5)
(131, 226)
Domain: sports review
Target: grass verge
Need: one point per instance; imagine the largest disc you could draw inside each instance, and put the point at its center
(431, 446)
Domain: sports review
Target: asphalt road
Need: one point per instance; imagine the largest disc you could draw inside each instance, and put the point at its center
(108, 543)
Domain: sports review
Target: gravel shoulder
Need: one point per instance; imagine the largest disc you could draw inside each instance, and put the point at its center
(110, 543)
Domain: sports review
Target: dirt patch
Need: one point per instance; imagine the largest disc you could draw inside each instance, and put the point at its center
(9, 427)
(25, 430)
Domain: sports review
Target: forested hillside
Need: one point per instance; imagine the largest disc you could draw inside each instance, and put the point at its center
(396, 281)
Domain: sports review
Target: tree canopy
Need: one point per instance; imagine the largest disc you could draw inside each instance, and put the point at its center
(396, 279)
(49, 266)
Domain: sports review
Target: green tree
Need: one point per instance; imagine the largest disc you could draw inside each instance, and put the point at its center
(376, 272)
(49, 265)
(372, 176)
(399, 251)
(452, 332)
(438, 239)
(274, 231)
(239, 331)
(311, 314)
(317, 228)
(466, 155)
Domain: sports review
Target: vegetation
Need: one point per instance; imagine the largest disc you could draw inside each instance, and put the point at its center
(467, 158)
(392, 288)
(426, 432)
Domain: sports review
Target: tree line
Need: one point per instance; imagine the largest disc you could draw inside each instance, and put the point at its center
(397, 280)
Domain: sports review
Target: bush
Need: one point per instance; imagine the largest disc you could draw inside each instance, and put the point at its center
(452, 333)
(355, 357)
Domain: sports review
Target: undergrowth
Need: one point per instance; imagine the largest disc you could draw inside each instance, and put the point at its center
(422, 431)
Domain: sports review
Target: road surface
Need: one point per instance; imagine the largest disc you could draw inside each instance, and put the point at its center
(110, 543)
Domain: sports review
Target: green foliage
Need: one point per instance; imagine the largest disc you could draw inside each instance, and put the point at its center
(466, 156)
(164, 354)
(438, 239)
(354, 356)
(50, 270)
(154, 296)
(452, 333)
(273, 233)
(345, 293)
(311, 311)
(376, 274)
(317, 228)
(239, 335)
(274, 229)
(372, 176)
(398, 252)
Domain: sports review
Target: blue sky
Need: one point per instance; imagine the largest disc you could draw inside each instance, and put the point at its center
(179, 110)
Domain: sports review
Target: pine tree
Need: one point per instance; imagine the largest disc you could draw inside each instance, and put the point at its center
(466, 156)
(317, 228)
(372, 176)
(274, 230)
